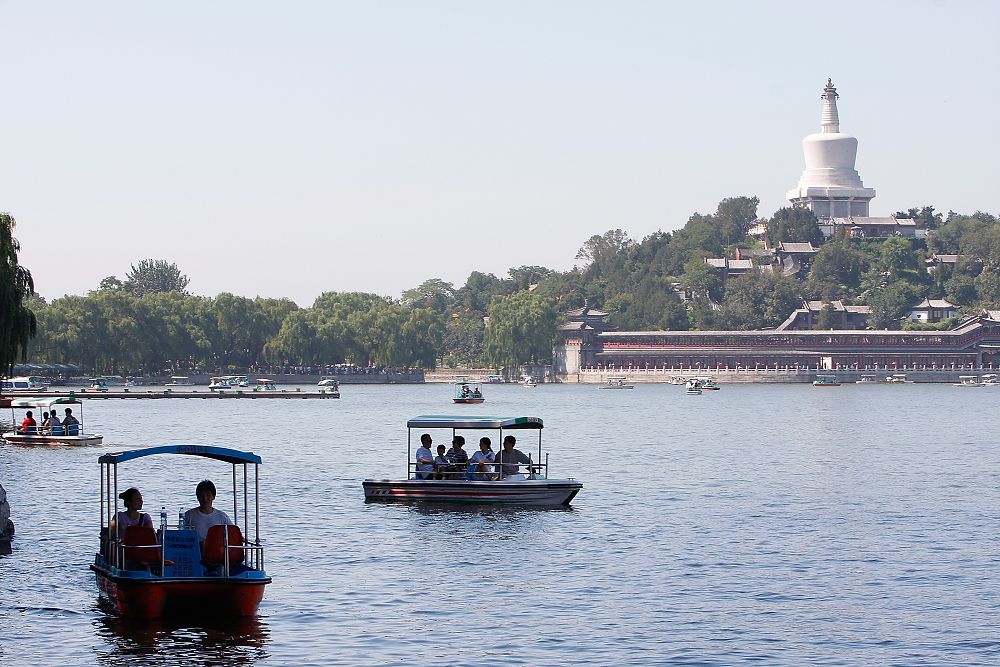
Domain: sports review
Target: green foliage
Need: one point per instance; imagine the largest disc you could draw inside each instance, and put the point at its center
(434, 293)
(794, 225)
(836, 270)
(17, 322)
(462, 344)
(521, 330)
(924, 216)
(890, 303)
(942, 325)
(759, 299)
(151, 276)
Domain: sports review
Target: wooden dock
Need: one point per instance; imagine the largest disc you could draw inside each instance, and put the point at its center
(171, 392)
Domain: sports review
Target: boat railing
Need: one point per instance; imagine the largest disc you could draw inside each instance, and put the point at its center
(467, 471)
(115, 553)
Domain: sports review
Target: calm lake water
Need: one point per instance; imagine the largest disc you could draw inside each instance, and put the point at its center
(775, 525)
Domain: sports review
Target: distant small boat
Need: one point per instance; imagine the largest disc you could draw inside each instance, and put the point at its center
(617, 383)
(708, 384)
(468, 392)
(63, 434)
(898, 378)
(528, 381)
(219, 383)
(328, 382)
(826, 381)
(969, 381)
(493, 379)
(990, 380)
(867, 379)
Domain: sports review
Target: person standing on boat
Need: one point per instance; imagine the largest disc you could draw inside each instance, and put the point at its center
(131, 516)
(425, 458)
(509, 458)
(477, 463)
(204, 516)
(28, 425)
(457, 457)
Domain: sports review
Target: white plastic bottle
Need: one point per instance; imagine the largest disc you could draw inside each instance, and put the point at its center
(180, 519)
(163, 518)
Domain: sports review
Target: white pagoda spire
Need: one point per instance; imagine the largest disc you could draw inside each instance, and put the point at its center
(830, 186)
(830, 120)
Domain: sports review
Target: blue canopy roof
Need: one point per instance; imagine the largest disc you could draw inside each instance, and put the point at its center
(473, 421)
(208, 451)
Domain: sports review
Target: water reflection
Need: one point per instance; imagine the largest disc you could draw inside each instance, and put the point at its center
(203, 641)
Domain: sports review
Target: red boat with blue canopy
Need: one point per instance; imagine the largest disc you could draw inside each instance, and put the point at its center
(147, 573)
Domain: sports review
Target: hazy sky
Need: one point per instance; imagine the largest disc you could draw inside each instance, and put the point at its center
(292, 148)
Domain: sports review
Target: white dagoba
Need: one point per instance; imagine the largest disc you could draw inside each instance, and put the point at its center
(830, 187)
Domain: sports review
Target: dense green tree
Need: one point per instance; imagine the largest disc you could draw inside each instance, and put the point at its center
(17, 322)
(433, 293)
(890, 303)
(734, 218)
(797, 225)
(961, 290)
(759, 299)
(151, 276)
(462, 342)
(521, 330)
(836, 270)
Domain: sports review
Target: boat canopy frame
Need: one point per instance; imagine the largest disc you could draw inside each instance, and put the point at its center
(109, 494)
(475, 423)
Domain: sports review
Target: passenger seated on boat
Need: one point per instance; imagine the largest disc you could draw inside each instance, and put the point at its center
(70, 423)
(55, 426)
(478, 470)
(131, 516)
(213, 551)
(440, 464)
(28, 425)
(204, 516)
(476, 393)
(44, 426)
(458, 458)
(509, 458)
(425, 459)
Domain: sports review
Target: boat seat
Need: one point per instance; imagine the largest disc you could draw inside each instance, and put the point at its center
(141, 547)
(213, 551)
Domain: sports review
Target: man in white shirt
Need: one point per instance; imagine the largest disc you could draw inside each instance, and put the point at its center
(425, 458)
(205, 516)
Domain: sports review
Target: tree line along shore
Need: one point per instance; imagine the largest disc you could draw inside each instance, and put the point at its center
(148, 322)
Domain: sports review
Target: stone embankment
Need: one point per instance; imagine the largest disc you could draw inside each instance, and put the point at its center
(730, 375)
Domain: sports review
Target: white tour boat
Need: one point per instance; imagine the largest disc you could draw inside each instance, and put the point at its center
(898, 378)
(867, 378)
(467, 392)
(969, 381)
(219, 383)
(617, 383)
(71, 434)
(328, 382)
(525, 482)
(528, 381)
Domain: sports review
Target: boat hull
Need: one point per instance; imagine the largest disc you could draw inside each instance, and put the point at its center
(20, 439)
(535, 492)
(154, 597)
(470, 401)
